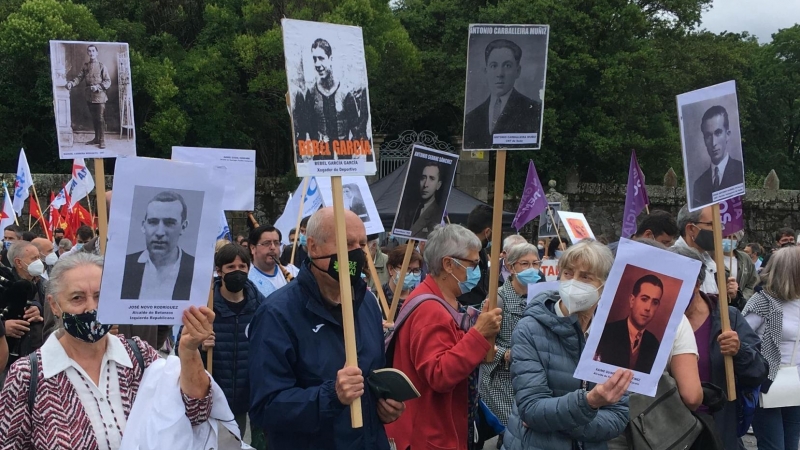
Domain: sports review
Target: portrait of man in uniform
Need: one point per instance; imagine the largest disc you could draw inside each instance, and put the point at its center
(95, 77)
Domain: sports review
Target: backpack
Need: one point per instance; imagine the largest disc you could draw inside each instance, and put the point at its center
(408, 307)
(34, 360)
(746, 404)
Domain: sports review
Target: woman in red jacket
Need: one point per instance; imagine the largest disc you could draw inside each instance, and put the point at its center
(440, 357)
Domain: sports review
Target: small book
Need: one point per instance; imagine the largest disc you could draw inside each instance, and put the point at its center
(392, 384)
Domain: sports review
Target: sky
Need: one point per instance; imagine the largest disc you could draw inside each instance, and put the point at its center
(761, 18)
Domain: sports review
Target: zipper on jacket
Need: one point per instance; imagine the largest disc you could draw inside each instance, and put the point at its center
(235, 351)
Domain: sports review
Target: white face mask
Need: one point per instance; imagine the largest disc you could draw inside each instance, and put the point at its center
(578, 296)
(51, 259)
(36, 268)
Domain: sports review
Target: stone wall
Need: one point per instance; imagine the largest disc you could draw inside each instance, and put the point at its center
(765, 209)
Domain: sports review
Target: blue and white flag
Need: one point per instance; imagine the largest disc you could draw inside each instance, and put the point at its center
(22, 183)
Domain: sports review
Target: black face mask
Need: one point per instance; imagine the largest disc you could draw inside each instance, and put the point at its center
(705, 239)
(357, 260)
(235, 281)
(58, 240)
(787, 244)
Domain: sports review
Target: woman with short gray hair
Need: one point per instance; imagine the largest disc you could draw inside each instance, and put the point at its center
(523, 264)
(87, 379)
(438, 351)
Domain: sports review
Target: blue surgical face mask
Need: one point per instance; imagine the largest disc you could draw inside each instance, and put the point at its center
(302, 240)
(79, 246)
(410, 281)
(7, 244)
(728, 245)
(529, 276)
(558, 254)
(473, 277)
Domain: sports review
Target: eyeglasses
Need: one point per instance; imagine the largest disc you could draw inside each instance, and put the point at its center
(472, 263)
(704, 223)
(412, 271)
(528, 264)
(269, 244)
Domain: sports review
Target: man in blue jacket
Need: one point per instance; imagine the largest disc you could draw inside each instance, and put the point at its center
(300, 391)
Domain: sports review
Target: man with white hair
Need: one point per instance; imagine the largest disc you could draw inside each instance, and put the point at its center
(24, 334)
(300, 390)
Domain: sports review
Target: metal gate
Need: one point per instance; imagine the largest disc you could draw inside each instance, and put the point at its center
(396, 152)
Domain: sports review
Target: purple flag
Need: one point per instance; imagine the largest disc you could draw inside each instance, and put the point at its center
(731, 213)
(635, 198)
(533, 201)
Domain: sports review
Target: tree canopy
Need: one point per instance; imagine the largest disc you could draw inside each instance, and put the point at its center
(211, 73)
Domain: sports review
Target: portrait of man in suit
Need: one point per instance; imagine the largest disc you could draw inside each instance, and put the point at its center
(421, 216)
(506, 110)
(547, 228)
(626, 343)
(724, 171)
(354, 202)
(163, 270)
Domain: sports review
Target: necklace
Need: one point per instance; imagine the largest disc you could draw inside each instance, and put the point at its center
(108, 400)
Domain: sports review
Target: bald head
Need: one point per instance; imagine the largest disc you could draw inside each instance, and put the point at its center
(108, 201)
(322, 226)
(45, 247)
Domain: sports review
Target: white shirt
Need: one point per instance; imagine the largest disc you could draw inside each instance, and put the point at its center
(791, 327)
(267, 284)
(722, 164)
(684, 340)
(710, 283)
(55, 361)
(158, 284)
(503, 103)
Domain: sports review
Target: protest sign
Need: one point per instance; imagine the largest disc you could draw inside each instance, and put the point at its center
(537, 288)
(576, 225)
(240, 170)
(550, 269)
(425, 192)
(504, 100)
(357, 198)
(712, 145)
(533, 201)
(647, 290)
(547, 226)
(161, 240)
(310, 201)
(93, 99)
(328, 99)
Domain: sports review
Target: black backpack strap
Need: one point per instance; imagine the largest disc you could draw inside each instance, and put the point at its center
(137, 353)
(34, 360)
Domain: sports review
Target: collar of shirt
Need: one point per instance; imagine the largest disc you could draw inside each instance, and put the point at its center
(633, 332)
(721, 165)
(55, 359)
(145, 258)
(275, 271)
(503, 103)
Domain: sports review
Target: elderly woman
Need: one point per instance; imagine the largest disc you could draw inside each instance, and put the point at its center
(774, 314)
(713, 345)
(439, 354)
(552, 409)
(522, 262)
(88, 379)
(412, 279)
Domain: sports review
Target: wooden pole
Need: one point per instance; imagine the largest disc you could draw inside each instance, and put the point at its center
(647, 209)
(210, 351)
(722, 284)
(399, 288)
(102, 213)
(497, 237)
(346, 292)
(253, 220)
(300, 216)
(373, 272)
(555, 224)
(41, 213)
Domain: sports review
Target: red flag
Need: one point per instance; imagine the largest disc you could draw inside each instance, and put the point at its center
(81, 215)
(33, 207)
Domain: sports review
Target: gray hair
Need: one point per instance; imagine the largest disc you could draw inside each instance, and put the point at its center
(685, 217)
(596, 256)
(514, 239)
(65, 244)
(17, 249)
(780, 277)
(449, 240)
(316, 227)
(67, 263)
(691, 253)
(516, 252)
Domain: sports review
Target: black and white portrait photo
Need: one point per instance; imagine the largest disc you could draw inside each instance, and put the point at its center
(506, 71)
(548, 221)
(357, 198)
(93, 99)
(329, 98)
(160, 258)
(712, 145)
(161, 236)
(354, 202)
(426, 189)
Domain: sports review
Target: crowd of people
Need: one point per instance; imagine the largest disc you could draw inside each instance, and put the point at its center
(276, 336)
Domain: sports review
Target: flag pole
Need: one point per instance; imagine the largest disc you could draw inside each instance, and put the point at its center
(647, 209)
(399, 287)
(36, 197)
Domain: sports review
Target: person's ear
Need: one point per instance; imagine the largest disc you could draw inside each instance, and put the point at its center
(648, 234)
(186, 224)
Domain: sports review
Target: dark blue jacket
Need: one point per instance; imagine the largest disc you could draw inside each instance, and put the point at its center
(232, 348)
(298, 348)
